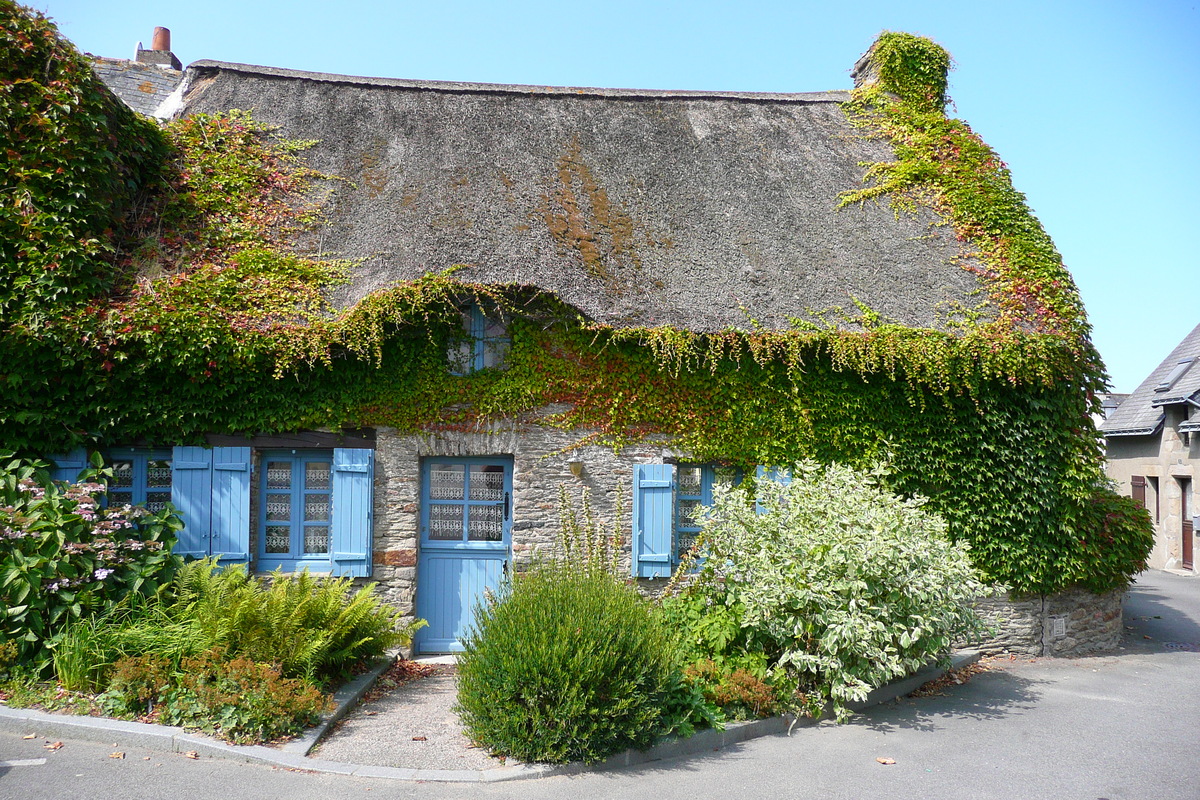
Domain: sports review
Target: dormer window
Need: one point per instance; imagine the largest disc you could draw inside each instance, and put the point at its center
(1174, 375)
(484, 343)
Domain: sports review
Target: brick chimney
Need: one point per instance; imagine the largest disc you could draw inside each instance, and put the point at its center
(159, 52)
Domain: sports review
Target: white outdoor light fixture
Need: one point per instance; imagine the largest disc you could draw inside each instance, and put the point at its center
(575, 463)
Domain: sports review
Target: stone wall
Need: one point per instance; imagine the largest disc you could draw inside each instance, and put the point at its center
(1071, 623)
(1066, 624)
(540, 466)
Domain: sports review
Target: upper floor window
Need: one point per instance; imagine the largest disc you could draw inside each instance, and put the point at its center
(485, 341)
(140, 477)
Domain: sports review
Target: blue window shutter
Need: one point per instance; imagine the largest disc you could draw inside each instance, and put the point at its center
(653, 519)
(67, 466)
(191, 492)
(779, 474)
(230, 532)
(350, 518)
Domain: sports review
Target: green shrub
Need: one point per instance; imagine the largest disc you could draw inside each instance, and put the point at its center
(241, 701)
(727, 661)
(569, 664)
(842, 583)
(66, 556)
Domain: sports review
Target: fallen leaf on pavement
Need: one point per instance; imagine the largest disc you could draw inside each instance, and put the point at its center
(420, 739)
(29, 736)
(53, 746)
(116, 755)
(883, 760)
(191, 754)
(370, 713)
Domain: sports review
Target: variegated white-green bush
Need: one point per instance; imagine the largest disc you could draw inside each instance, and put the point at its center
(850, 585)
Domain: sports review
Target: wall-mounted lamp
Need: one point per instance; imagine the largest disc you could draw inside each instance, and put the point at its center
(575, 463)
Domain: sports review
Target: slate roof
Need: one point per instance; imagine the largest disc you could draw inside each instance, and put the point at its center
(703, 210)
(1141, 414)
(143, 87)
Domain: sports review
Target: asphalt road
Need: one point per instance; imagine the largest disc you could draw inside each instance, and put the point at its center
(1118, 727)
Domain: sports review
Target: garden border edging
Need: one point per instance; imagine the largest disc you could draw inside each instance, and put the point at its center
(292, 755)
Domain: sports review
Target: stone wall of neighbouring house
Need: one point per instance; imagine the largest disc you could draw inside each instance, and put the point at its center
(540, 455)
(1071, 623)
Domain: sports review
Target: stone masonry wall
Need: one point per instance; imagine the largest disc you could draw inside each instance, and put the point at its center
(1071, 623)
(1066, 624)
(540, 455)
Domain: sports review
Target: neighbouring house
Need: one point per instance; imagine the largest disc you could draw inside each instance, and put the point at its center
(1153, 448)
(144, 82)
(640, 293)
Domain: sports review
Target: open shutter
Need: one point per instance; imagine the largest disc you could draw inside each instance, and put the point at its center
(230, 531)
(350, 518)
(1138, 486)
(778, 474)
(191, 492)
(653, 519)
(67, 466)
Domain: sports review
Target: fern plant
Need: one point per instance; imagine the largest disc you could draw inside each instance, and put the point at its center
(311, 627)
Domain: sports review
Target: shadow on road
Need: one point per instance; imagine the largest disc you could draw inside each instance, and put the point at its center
(988, 695)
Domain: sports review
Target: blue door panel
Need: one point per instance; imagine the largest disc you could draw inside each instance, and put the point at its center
(455, 571)
(451, 586)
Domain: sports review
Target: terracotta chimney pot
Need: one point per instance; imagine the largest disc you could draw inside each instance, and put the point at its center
(162, 39)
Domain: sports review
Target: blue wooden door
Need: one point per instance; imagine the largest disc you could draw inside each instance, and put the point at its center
(466, 527)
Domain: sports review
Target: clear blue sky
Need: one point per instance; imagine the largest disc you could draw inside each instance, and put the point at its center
(1094, 104)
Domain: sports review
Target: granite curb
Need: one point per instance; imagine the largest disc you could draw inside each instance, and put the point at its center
(293, 754)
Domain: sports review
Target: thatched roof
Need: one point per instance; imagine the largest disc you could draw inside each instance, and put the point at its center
(1176, 380)
(701, 210)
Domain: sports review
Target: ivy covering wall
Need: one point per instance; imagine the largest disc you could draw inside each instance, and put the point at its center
(148, 294)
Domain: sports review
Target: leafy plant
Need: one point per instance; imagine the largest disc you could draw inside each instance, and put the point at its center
(583, 544)
(567, 665)
(848, 584)
(89, 649)
(312, 627)
(137, 682)
(739, 693)
(241, 701)
(67, 556)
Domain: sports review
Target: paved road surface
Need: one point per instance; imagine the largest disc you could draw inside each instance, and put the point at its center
(1118, 727)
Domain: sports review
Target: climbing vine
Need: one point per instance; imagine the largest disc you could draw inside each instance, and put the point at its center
(195, 314)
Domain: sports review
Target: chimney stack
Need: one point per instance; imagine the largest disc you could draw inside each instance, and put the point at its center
(159, 53)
